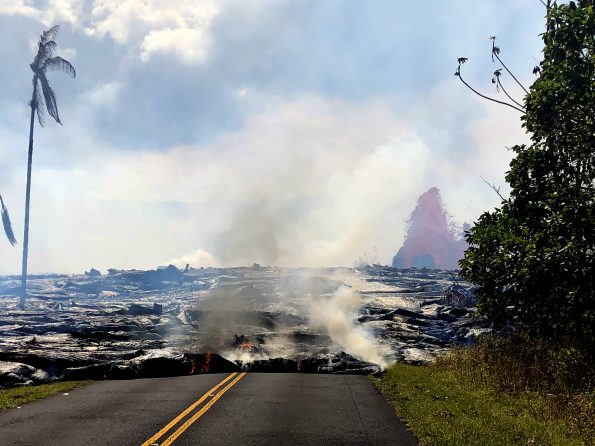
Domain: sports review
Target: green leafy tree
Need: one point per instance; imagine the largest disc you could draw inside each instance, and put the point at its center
(42, 92)
(533, 258)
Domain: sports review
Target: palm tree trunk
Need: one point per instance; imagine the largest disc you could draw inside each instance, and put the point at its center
(34, 105)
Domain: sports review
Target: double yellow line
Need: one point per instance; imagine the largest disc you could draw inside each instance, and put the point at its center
(180, 430)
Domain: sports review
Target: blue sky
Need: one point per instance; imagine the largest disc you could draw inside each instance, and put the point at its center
(228, 132)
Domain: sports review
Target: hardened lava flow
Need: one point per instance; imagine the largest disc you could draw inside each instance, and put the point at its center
(165, 322)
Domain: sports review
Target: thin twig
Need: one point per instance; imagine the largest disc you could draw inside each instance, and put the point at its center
(509, 97)
(487, 97)
(495, 53)
(493, 187)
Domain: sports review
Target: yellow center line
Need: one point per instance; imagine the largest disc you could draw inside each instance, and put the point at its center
(201, 412)
(190, 408)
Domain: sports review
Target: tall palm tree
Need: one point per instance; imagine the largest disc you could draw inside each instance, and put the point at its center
(42, 92)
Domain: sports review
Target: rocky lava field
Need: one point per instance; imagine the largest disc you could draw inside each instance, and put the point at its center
(130, 324)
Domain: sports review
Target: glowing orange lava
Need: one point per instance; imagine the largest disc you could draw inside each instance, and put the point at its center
(206, 364)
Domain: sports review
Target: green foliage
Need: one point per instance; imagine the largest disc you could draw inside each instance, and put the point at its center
(534, 257)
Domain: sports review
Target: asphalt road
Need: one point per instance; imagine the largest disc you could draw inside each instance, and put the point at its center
(219, 409)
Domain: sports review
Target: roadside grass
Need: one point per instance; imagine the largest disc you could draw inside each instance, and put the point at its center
(463, 399)
(17, 396)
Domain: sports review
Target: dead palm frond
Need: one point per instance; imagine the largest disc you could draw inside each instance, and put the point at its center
(7, 225)
(43, 62)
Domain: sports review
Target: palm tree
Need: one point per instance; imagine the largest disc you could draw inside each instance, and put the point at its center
(44, 61)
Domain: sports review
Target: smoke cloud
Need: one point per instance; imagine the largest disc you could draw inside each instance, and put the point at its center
(310, 182)
(336, 315)
(197, 259)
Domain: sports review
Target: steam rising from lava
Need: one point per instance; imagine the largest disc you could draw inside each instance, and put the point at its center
(336, 314)
(276, 313)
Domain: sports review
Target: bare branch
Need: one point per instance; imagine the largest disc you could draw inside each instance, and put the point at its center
(495, 52)
(499, 83)
(458, 74)
(493, 187)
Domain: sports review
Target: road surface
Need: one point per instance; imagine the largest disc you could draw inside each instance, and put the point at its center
(219, 409)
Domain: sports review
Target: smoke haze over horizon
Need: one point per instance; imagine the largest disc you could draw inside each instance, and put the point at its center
(222, 133)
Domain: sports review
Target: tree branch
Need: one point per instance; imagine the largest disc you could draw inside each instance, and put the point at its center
(458, 74)
(493, 187)
(495, 53)
(506, 93)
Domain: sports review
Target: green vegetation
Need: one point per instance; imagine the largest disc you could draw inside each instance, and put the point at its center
(18, 396)
(533, 258)
(484, 395)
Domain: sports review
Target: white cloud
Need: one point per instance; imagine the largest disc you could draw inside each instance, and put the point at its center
(102, 94)
(68, 53)
(57, 11)
(19, 7)
(179, 26)
(63, 11)
(190, 45)
(150, 26)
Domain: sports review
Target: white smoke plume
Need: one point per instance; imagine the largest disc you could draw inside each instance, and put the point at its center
(196, 259)
(336, 315)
